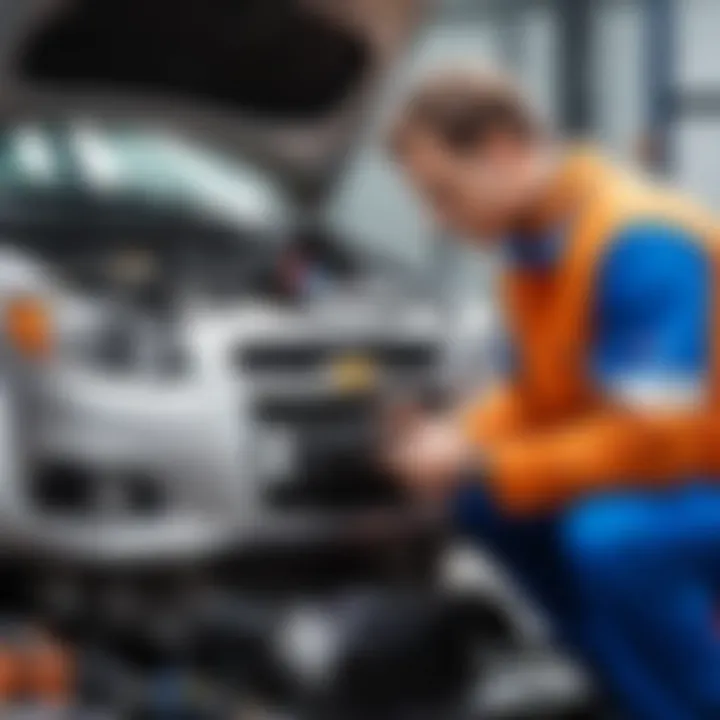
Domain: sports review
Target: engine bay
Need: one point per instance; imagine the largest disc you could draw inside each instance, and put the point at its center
(127, 244)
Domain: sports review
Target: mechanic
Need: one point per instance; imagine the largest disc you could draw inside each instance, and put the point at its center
(590, 468)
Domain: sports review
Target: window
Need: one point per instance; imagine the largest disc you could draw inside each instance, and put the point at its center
(132, 161)
(27, 157)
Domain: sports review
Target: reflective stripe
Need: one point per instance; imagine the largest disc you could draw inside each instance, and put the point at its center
(659, 392)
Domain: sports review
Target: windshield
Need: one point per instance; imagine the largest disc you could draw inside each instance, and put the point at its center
(157, 165)
(174, 171)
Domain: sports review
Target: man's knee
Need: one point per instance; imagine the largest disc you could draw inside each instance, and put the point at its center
(605, 540)
(474, 512)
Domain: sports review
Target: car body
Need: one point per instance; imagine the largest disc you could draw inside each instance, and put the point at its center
(196, 389)
(102, 174)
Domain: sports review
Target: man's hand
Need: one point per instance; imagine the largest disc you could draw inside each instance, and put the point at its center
(428, 456)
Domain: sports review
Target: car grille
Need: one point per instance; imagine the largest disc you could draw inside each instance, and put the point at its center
(330, 426)
(335, 453)
(389, 355)
(302, 387)
(311, 413)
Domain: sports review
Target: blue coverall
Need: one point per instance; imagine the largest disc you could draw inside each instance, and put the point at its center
(631, 577)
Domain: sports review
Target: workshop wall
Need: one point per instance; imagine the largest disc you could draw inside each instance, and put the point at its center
(696, 136)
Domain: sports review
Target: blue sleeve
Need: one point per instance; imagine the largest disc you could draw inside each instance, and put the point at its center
(652, 310)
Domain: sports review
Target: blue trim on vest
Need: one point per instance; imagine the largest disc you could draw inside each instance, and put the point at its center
(536, 252)
(652, 307)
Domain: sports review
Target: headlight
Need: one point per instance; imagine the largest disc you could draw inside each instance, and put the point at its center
(94, 334)
(139, 345)
(29, 327)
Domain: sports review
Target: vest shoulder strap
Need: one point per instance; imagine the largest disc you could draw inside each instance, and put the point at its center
(620, 204)
(626, 203)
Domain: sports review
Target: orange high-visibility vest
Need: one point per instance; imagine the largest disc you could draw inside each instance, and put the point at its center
(550, 436)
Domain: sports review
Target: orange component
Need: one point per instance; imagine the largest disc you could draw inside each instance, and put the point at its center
(10, 674)
(49, 672)
(29, 327)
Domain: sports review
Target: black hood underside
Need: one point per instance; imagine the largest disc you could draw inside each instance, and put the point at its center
(270, 58)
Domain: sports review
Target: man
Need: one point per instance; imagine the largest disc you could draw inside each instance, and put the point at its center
(591, 469)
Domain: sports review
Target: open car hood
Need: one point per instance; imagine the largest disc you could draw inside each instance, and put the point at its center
(283, 82)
